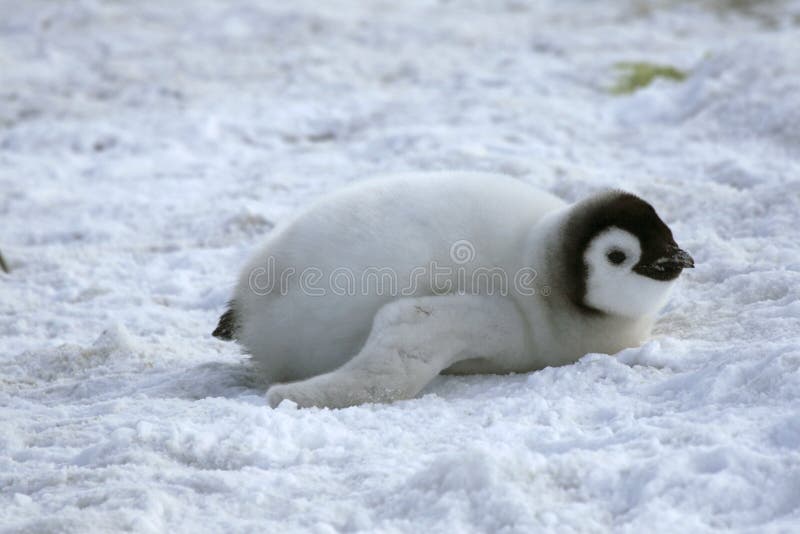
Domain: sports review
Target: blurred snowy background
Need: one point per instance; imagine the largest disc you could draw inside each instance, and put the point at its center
(147, 147)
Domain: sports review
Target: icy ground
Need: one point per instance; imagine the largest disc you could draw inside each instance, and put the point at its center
(147, 147)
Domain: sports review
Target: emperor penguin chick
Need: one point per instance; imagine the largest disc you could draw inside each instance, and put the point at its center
(372, 291)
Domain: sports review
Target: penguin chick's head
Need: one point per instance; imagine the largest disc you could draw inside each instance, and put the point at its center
(621, 257)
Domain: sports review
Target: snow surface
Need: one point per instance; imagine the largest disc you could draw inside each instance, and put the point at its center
(147, 147)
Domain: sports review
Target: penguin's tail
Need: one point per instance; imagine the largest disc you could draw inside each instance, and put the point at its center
(226, 328)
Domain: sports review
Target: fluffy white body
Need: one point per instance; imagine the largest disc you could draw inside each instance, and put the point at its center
(372, 291)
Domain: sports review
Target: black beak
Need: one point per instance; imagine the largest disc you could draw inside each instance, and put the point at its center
(667, 267)
(678, 258)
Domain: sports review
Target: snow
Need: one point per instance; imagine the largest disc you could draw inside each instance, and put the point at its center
(146, 148)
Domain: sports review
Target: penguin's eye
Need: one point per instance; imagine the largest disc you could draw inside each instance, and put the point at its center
(616, 257)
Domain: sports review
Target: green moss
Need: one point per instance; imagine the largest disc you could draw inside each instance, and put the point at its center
(635, 75)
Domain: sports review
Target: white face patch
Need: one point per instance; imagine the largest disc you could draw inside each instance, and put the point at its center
(612, 286)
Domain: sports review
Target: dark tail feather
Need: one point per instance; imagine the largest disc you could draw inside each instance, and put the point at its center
(227, 324)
